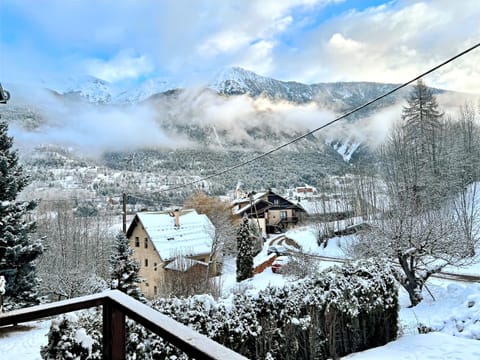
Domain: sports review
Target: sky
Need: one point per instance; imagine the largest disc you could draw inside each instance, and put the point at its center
(310, 41)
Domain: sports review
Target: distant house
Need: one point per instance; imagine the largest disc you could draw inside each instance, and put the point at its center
(179, 240)
(270, 211)
(303, 192)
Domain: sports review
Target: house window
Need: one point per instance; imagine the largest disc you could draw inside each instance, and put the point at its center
(146, 243)
(283, 215)
(154, 266)
(275, 202)
(137, 241)
(155, 290)
(146, 262)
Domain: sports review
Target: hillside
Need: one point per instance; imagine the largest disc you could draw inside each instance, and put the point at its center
(181, 134)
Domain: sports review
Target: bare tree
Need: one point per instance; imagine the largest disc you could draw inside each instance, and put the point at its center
(465, 165)
(430, 218)
(420, 244)
(76, 258)
(220, 215)
(183, 277)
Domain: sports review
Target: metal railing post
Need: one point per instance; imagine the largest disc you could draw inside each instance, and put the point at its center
(114, 339)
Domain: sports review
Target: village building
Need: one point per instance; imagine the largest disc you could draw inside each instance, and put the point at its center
(303, 192)
(170, 241)
(271, 212)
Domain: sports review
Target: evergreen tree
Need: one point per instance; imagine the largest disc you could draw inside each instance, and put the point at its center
(421, 115)
(124, 269)
(18, 251)
(424, 144)
(245, 251)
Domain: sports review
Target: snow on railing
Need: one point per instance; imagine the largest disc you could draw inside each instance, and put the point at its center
(116, 306)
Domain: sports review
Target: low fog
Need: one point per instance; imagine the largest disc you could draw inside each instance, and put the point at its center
(91, 129)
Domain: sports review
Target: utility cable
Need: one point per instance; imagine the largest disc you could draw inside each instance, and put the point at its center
(258, 157)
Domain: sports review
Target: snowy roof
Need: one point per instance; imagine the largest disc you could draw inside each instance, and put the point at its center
(248, 202)
(183, 264)
(193, 237)
(255, 197)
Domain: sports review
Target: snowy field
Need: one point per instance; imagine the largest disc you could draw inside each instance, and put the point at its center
(451, 309)
(24, 342)
(455, 314)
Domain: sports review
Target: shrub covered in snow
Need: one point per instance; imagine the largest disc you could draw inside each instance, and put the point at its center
(73, 337)
(346, 309)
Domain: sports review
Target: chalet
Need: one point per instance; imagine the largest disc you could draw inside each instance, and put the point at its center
(271, 212)
(169, 241)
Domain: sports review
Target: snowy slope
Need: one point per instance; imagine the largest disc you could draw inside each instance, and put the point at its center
(143, 91)
(84, 87)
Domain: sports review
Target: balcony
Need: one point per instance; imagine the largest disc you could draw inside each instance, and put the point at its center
(116, 306)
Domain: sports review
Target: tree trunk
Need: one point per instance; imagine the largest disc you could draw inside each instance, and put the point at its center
(410, 282)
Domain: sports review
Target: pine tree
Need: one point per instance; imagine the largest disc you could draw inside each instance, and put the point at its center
(124, 269)
(245, 251)
(421, 115)
(18, 251)
(424, 129)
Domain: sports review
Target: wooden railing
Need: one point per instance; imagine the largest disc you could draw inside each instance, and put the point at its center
(116, 305)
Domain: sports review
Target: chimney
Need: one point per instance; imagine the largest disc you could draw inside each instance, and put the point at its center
(176, 213)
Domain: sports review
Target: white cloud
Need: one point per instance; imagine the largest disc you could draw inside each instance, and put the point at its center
(391, 43)
(92, 129)
(283, 39)
(223, 42)
(247, 34)
(123, 66)
(259, 56)
(339, 43)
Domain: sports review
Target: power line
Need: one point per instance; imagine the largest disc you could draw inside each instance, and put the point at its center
(275, 149)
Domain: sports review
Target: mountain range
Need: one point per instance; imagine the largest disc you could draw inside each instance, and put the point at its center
(179, 130)
(230, 82)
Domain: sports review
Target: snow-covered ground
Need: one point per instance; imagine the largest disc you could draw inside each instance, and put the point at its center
(434, 346)
(450, 308)
(24, 341)
(455, 314)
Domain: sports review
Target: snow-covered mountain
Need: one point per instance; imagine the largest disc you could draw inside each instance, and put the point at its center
(90, 88)
(230, 81)
(95, 90)
(203, 118)
(238, 81)
(143, 91)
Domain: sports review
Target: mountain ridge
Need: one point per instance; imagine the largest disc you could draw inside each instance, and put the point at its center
(197, 115)
(229, 81)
